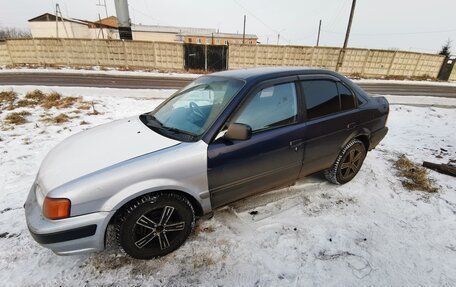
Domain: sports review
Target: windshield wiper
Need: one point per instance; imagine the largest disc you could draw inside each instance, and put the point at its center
(175, 130)
(154, 123)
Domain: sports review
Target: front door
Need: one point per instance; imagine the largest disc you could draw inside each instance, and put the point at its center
(272, 157)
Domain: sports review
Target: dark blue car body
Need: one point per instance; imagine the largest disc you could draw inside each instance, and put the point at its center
(280, 156)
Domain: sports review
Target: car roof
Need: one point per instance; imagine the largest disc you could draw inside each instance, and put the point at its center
(269, 72)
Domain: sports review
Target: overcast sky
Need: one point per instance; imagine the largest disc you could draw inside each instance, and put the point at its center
(390, 24)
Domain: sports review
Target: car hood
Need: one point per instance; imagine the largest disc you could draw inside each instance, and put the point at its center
(98, 148)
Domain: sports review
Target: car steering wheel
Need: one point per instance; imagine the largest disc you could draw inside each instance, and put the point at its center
(196, 110)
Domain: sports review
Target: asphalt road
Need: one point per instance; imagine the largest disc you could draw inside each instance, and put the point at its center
(145, 82)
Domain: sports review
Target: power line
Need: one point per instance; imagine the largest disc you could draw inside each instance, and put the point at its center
(393, 34)
(338, 13)
(277, 32)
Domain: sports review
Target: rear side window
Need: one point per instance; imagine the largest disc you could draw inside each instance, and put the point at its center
(271, 107)
(322, 98)
(347, 100)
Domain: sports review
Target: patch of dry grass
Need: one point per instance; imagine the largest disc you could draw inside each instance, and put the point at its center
(17, 118)
(7, 97)
(55, 100)
(59, 119)
(415, 176)
(84, 123)
(36, 96)
(84, 107)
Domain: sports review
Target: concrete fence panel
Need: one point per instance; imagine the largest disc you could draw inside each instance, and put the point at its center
(325, 57)
(88, 52)
(51, 51)
(4, 55)
(429, 65)
(378, 63)
(22, 51)
(404, 64)
(453, 74)
(354, 61)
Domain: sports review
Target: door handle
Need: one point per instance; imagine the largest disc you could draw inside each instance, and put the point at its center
(295, 144)
(352, 125)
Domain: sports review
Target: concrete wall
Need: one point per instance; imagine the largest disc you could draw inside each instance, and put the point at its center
(170, 56)
(84, 52)
(48, 29)
(73, 30)
(362, 62)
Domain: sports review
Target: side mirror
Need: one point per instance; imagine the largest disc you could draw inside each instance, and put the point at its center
(240, 132)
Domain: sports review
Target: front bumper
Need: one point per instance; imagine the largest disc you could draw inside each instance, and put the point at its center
(74, 235)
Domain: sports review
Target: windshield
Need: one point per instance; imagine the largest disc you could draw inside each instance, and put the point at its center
(191, 111)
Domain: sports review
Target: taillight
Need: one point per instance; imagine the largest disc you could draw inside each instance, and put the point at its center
(56, 208)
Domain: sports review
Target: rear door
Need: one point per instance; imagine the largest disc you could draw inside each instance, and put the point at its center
(272, 157)
(331, 118)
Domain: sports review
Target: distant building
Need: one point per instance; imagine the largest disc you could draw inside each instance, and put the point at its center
(48, 26)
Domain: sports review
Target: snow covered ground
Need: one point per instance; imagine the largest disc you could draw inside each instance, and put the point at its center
(99, 71)
(371, 231)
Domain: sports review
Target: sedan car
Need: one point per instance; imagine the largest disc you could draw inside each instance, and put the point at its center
(224, 137)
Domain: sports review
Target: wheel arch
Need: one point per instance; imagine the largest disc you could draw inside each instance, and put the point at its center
(363, 135)
(197, 207)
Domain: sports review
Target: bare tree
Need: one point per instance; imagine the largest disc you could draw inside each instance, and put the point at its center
(11, 33)
(446, 49)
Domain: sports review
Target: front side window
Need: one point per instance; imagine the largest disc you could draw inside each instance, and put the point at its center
(271, 107)
(194, 109)
(322, 98)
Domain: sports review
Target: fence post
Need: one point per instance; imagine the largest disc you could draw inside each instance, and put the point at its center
(65, 49)
(256, 56)
(391, 63)
(284, 56)
(36, 52)
(312, 57)
(125, 53)
(227, 58)
(416, 66)
(9, 52)
(155, 55)
(365, 63)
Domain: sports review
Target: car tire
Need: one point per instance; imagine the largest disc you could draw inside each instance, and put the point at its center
(155, 225)
(348, 163)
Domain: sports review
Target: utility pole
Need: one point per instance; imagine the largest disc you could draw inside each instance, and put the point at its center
(103, 5)
(123, 17)
(57, 13)
(278, 38)
(318, 37)
(243, 33)
(347, 36)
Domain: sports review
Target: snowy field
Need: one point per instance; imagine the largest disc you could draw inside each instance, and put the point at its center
(371, 231)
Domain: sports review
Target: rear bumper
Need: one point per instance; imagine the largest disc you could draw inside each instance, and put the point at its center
(74, 235)
(377, 137)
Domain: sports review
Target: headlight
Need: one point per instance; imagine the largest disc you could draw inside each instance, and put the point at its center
(56, 208)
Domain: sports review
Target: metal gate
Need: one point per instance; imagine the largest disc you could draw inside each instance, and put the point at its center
(205, 57)
(447, 68)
